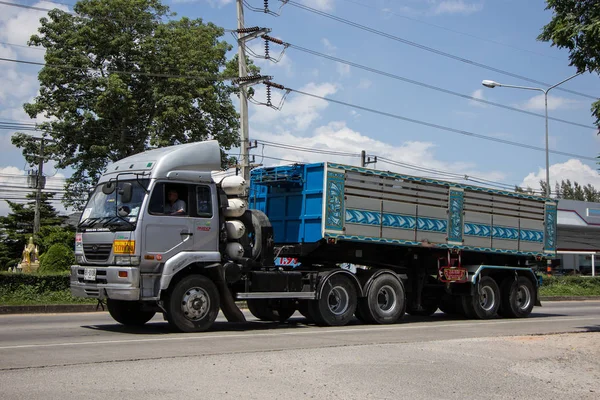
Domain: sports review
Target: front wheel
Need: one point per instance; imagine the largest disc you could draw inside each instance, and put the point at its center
(193, 304)
(518, 297)
(128, 313)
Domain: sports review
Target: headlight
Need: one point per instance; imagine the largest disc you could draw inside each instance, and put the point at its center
(127, 260)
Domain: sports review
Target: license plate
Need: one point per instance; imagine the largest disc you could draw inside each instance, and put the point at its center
(89, 274)
(453, 274)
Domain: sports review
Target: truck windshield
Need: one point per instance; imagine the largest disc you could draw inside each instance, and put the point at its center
(114, 206)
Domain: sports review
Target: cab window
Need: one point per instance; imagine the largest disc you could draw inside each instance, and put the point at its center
(204, 202)
(169, 199)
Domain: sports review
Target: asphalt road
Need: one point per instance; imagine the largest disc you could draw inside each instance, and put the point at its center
(89, 356)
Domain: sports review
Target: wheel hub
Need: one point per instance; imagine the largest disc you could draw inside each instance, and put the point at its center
(523, 297)
(338, 300)
(386, 298)
(195, 304)
(487, 298)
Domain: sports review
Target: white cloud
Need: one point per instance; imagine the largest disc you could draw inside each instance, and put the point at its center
(343, 70)
(456, 7)
(536, 103)
(478, 94)
(298, 111)
(338, 137)
(213, 3)
(328, 46)
(322, 5)
(364, 84)
(284, 63)
(574, 170)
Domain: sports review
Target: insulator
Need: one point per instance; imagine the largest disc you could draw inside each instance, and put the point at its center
(272, 39)
(266, 5)
(275, 85)
(268, 95)
(266, 48)
(248, 30)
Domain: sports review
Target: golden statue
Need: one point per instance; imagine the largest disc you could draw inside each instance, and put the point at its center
(30, 261)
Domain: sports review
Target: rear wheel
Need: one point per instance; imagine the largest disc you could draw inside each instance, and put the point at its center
(518, 297)
(337, 303)
(269, 310)
(128, 313)
(485, 303)
(385, 302)
(193, 304)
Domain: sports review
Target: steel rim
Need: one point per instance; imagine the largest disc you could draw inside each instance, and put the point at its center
(487, 298)
(523, 297)
(338, 300)
(386, 299)
(195, 304)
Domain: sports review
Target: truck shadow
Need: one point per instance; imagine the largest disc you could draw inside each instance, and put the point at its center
(157, 327)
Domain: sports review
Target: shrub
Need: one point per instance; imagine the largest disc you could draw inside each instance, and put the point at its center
(58, 258)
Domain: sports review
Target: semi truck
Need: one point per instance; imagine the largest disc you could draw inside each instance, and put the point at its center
(161, 234)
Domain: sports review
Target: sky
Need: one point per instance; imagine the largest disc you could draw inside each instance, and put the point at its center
(446, 45)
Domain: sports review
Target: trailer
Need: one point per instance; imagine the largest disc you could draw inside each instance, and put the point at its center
(331, 241)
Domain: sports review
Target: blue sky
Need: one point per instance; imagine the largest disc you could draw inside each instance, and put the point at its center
(500, 33)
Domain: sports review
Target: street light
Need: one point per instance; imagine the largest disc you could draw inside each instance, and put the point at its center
(492, 84)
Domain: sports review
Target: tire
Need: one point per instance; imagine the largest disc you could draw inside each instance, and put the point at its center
(193, 304)
(518, 297)
(486, 303)
(385, 302)
(253, 220)
(128, 313)
(337, 304)
(266, 310)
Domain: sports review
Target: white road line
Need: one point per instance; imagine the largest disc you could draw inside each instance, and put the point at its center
(301, 333)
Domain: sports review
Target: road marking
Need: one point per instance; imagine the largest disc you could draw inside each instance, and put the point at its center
(300, 333)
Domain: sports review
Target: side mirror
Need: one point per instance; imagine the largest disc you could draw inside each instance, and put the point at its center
(126, 192)
(108, 187)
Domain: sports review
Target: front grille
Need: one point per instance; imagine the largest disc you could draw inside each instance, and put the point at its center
(97, 252)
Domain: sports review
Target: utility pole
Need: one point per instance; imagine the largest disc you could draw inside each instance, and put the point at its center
(364, 160)
(40, 183)
(244, 130)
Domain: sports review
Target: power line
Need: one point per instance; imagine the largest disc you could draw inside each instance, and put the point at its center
(442, 127)
(429, 49)
(390, 12)
(432, 87)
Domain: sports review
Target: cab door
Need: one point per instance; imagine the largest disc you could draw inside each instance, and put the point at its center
(205, 218)
(164, 233)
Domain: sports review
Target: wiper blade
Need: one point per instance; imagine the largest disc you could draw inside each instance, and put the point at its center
(115, 221)
(87, 222)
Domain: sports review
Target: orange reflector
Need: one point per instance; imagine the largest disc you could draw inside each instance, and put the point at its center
(122, 274)
(149, 257)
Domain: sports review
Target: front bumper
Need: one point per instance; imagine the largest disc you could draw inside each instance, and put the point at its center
(108, 283)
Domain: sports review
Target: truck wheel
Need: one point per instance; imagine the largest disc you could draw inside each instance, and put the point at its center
(193, 304)
(484, 305)
(265, 310)
(337, 303)
(518, 297)
(128, 313)
(385, 302)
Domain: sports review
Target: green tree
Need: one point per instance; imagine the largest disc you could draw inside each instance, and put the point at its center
(575, 25)
(58, 258)
(121, 78)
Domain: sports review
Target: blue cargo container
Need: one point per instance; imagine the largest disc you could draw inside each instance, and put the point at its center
(309, 202)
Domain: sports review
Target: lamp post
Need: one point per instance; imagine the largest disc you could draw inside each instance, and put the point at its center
(492, 84)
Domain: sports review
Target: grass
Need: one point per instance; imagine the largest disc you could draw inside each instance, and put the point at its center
(27, 297)
(570, 286)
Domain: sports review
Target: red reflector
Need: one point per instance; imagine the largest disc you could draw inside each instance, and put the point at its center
(122, 274)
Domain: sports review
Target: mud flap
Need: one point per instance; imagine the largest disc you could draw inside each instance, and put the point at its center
(228, 306)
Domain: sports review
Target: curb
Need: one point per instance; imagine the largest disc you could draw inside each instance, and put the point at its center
(49, 309)
(568, 298)
(86, 308)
